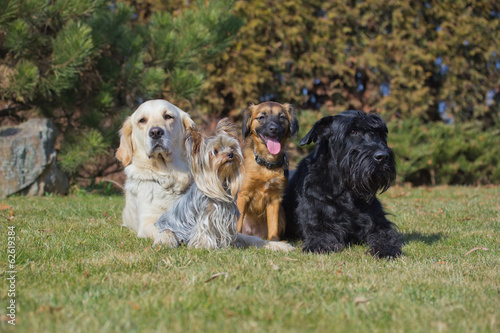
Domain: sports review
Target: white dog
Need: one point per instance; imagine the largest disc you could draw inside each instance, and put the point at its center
(153, 153)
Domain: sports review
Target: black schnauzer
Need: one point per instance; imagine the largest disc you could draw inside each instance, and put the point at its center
(330, 201)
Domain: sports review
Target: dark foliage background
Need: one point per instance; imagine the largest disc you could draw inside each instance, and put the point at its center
(430, 68)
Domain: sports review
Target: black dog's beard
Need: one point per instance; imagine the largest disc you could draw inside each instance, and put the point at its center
(362, 176)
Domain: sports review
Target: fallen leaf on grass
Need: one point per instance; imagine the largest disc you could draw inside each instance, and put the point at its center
(49, 308)
(230, 313)
(216, 276)
(290, 259)
(11, 211)
(441, 262)
(396, 195)
(475, 249)
(465, 219)
(361, 299)
(135, 306)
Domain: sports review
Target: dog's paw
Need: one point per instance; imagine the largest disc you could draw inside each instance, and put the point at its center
(166, 238)
(278, 246)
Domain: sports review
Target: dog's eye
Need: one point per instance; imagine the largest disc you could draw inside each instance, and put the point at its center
(142, 120)
(354, 132)
(167, 117)
(215, 152)
(260, 117)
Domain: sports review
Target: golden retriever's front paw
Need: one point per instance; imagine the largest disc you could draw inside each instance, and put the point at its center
(166, 238)
(278, 246)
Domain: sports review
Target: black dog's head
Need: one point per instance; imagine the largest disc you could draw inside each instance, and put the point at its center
(357, 145)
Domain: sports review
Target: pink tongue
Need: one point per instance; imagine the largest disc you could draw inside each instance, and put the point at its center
(273, 146)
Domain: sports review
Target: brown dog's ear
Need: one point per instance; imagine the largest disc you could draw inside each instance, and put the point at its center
(294, 123)
(187, 122)
(193, 142)
(320, 130)
(225, 126)
(124, 152)
(247, 120)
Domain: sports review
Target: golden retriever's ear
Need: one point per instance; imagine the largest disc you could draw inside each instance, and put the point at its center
(124, 152)
(247, 120)
(224, 126)
(294, 123)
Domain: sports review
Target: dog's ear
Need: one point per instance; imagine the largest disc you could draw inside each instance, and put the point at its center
(321, 130)
(187, 122)
(124, 152)
(193, 141)
(225, 126)
(247, 120)
(294, 123)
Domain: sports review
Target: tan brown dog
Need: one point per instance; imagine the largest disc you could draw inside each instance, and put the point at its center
(266, 130)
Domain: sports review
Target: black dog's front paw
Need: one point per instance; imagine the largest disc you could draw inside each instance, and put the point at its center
(385, 244)
(323, 247)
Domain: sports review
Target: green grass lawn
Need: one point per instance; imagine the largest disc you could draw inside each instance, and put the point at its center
(78, 270)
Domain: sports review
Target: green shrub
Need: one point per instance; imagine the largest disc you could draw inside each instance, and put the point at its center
(437, 153)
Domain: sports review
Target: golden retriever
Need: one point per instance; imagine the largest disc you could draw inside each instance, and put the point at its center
(153, 153)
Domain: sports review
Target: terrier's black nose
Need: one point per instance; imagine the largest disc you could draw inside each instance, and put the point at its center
(230, 155)
(381, 156)
(156, 133)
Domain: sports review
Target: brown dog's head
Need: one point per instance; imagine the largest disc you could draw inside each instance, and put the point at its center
(154, 131)
(269, 124)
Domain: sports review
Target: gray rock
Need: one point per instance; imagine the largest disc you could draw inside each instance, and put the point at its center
(28, 160)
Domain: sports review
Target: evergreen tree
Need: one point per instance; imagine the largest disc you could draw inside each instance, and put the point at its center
(86, 64)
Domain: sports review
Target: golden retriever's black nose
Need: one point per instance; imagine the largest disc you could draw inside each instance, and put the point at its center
(156, 133)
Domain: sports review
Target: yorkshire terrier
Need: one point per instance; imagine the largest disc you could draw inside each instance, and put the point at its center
(205, 216)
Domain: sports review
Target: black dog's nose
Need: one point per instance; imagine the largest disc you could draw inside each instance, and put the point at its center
(381, 156)
(156, 133)
(230, 155)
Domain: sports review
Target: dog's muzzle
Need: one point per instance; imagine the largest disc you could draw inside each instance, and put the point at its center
(271, 135)
(381, 156)
(158, 142)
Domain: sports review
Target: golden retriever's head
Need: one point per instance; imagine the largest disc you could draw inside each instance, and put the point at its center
(269, 125)
(154, 131)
